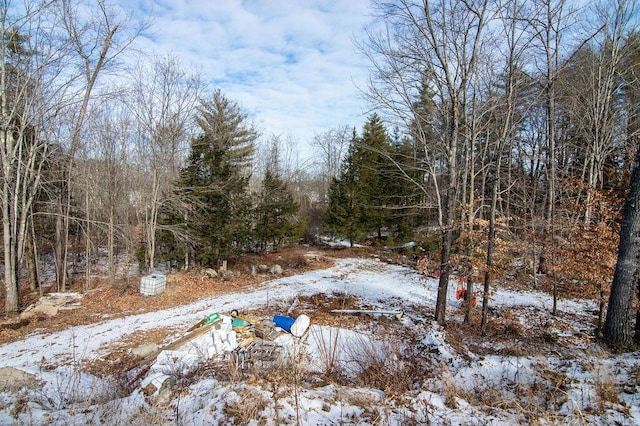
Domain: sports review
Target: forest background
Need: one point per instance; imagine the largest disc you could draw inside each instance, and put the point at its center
(499, 132)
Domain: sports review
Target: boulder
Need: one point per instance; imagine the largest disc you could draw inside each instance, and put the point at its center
(12, 379)
(276, 270)
(211, 273)
(46, 309)
(228, 275)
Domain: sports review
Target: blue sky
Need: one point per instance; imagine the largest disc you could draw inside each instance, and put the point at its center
(290, 64)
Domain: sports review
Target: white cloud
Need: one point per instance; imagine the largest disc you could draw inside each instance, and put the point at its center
(290, 64)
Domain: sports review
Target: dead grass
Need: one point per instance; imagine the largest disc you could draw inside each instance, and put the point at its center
(606, 388)
(383, 365)
(245, 406)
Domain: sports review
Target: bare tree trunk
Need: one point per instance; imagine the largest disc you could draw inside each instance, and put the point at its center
(618, 324)
(31, 258)
(490, 250)
(111, 246)
(60, 252)
(152, 221)
(448, 236)
(87, 238)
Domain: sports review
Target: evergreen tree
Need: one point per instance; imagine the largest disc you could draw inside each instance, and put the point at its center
(275, 211)
(406, 178)
(213, 185)
(359, 198)
(342, 217)
(374, 169)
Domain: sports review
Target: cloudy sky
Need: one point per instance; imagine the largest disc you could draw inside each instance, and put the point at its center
(290, 64)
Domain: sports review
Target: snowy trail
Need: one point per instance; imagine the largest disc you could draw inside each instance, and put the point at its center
(378, 284)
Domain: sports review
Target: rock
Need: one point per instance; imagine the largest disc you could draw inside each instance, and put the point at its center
(312, 257)
(165, 392)
(12, 379)
(46, 309)
(229, 275)
(27, 314)
(263, 269)
(51, 303)
(145, 350)
(276, 270)
(158, 386)
(60, 299)
(211, 273)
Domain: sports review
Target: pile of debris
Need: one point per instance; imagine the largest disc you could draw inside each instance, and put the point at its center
(245, 341)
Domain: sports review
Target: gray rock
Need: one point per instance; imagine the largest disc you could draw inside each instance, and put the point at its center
(48, 310)
(165, 392)
(276, 270)
(230, 275)
(211, 273)
(12, 379)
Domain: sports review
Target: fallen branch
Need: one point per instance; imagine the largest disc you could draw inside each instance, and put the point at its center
(367, 311)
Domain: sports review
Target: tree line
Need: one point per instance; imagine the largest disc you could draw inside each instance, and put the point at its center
(491, 122)
(519, 117)
(106, 151)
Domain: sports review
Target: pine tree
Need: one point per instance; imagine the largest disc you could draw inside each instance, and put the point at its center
(275, 211)
(374, 168)
(213, 185)
(344, 216)
(406, 178)
(359, 199)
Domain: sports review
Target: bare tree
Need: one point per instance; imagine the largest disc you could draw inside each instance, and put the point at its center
(109, 165)
(592, 83)
(30, 62)
(163, 101)
(97, 38)
(332, 146)
(549, 22)
(433, 45)
(503, 113)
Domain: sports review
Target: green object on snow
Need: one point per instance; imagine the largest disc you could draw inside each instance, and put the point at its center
(239, 322)
(211, 318)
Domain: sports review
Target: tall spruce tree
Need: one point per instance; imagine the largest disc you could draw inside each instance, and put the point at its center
(275, 211)
(373, 157)
(213, 185)
(344, 214)
(359, 199)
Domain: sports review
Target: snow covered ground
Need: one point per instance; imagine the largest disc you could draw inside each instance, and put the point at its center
(534, 368)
